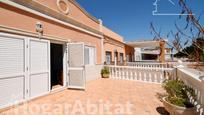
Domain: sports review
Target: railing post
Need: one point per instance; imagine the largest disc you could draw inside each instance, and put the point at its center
(166, 77)
(136, 76)
(161, 76)
(155, 77)
(145, 76)
(131, 74)
(123, 73)
(119, 73)
(127, 74)
(116, 72)
(109, 68)
(150, 75)
(140, 76)
(113, 71)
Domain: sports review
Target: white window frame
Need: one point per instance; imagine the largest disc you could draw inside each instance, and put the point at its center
(94, 54)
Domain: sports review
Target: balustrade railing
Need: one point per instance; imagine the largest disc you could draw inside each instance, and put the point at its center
(153, 75)
(197, 83)
(156, 74)
(150, 65)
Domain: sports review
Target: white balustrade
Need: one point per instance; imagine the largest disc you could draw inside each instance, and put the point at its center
(150, 65)
(158, 74)
(154, 75)
(197, 83)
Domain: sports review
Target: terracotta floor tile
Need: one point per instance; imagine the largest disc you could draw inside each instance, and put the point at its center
(100, 93)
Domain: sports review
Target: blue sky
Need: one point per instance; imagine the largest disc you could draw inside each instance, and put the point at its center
(131, 18)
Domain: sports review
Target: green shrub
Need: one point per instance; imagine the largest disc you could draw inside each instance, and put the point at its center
(178, 93)
(105, 70)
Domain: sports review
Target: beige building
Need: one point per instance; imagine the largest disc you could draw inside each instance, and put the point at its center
(51, 45)
(115, 49)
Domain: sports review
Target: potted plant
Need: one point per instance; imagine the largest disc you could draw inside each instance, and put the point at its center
(105, 72)
(177, 101)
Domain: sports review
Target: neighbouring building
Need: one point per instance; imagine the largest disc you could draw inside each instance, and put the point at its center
(115, 49)
(152, 54)
(151, 51)
(169, 54)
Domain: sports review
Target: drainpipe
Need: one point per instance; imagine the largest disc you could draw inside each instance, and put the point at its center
(102, 41)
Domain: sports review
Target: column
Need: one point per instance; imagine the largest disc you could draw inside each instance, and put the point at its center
(162, 51)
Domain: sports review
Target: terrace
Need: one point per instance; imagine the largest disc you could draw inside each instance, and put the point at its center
(142, 96)
(51, 56)
(137, 84)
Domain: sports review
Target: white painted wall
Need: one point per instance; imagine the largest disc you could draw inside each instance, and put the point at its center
(138, 55)
(93, 72)
(195, 81)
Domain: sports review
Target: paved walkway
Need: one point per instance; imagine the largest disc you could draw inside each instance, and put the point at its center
(101, 97)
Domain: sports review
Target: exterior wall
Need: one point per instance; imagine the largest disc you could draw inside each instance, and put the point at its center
(93, 72)
(194, 80)
(129, 51)
(111, 47)
(75, 12)
(113, 42)
(16, 18)
(137, 54)
(111, 34)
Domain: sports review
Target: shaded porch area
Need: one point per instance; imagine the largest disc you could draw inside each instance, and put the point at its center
(149, 50)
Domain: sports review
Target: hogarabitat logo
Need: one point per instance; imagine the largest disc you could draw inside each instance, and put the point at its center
(166, 7)
(78, 107)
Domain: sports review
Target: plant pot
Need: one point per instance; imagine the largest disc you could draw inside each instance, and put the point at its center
(105, 75)
(177, 110)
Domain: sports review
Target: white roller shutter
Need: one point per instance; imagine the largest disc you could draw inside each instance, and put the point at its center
(39, 67)
(12, 69)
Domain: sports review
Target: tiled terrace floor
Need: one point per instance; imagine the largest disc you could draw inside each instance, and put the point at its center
(142, 96)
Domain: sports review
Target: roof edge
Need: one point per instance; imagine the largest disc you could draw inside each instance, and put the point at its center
(84, 11)
(121, 38)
